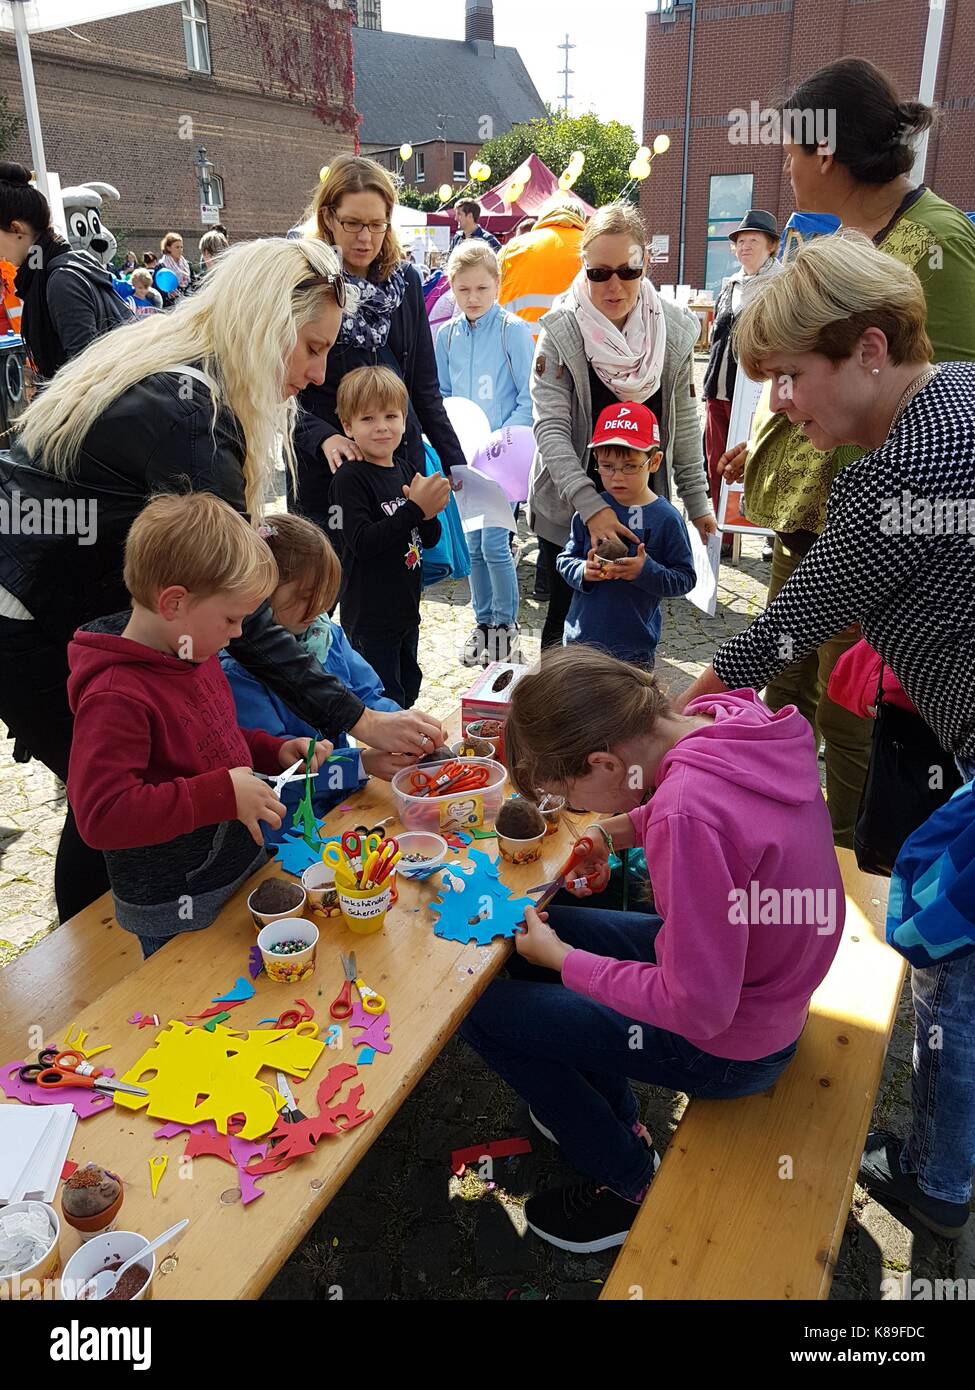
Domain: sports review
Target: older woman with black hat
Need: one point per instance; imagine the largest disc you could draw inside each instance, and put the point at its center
(754, 242)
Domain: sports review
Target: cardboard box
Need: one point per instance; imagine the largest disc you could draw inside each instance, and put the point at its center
(490, 696)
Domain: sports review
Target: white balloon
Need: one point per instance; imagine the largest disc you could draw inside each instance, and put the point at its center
(471, 425)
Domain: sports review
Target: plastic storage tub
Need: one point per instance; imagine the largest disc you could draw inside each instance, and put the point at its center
(455, 810)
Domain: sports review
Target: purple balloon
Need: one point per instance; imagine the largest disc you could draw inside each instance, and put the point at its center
(506, 459)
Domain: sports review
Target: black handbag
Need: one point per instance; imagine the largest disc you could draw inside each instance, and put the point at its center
(898, 796)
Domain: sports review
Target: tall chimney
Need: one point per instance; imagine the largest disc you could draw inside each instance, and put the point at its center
(479, 20)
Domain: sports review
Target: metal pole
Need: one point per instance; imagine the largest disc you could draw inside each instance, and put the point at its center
(687, 132)
(30, 95)
(687, 136)
(929, 77)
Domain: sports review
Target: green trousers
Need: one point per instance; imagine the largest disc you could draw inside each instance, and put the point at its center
(846, 736)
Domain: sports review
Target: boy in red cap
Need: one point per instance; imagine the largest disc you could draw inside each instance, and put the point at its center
(616, 604)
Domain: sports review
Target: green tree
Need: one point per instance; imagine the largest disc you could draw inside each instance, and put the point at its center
(411, 197)
(608, 146)
(11, 125)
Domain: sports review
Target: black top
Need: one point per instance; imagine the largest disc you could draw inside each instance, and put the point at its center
(69, 301)
(602, 397)
(158, 436)
(408, 351)
(383, 535)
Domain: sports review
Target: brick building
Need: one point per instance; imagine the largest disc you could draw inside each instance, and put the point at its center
(756, 52)
(128, 101)
(444, 97)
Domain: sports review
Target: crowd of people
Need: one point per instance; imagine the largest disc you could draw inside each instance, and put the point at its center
(195, 639)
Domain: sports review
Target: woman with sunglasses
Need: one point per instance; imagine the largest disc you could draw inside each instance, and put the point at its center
(353, 211)
(609, 340)
(197, 399)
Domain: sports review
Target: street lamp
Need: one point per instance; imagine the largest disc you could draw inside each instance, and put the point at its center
(204, 174)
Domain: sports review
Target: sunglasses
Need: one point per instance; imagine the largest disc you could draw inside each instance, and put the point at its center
(336, 281)
(601, 273)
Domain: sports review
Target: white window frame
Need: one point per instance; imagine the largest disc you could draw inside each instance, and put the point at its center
(196, 36)
(421, 167)
(462, 176)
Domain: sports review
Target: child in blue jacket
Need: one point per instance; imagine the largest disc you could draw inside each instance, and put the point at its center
(309, 574)
(485, 355)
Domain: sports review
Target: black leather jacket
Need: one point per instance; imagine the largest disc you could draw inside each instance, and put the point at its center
(158, 436)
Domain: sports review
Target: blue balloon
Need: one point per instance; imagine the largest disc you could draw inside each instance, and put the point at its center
(166, 282)
(123, 289)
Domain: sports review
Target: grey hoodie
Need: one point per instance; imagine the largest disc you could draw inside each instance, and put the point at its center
(563, 424)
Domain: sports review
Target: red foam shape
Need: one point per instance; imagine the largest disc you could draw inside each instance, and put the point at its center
(68, 1169)
(498, 1148)
(209, 1146)
(291, 1141)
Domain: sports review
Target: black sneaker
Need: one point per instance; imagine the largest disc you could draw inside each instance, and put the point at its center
(503, 644)
(475, 652)
(582, 1219)
(880, 1173)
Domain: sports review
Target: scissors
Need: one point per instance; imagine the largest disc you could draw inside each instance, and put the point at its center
(291, 1115)
(53, 1069)
(372, 1002)
(381, 862)
(346, 858)
(278, 783)
(580, 852)
(453, 777)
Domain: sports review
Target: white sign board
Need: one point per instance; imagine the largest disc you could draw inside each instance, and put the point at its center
(659, 250)
(209, 216)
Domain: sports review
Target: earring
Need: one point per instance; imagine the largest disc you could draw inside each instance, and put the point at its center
(875, 371)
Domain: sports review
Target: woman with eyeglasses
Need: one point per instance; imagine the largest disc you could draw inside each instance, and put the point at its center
(197, 399)
(353, 211)
(610, 340)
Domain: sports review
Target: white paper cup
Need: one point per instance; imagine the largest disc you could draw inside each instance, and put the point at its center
(97, 1254)
(34, 1282)
(318, 882)
(288, 969)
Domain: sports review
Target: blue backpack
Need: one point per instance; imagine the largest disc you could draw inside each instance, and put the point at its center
(931, 906)
(449, 558)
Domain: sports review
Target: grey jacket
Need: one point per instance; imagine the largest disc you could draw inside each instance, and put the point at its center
(563, 424)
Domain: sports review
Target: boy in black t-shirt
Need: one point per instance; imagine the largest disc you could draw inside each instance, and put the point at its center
(387, 513)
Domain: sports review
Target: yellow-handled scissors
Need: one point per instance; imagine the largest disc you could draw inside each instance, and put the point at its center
(346, 858)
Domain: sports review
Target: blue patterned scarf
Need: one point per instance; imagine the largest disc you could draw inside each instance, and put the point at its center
(368, 324)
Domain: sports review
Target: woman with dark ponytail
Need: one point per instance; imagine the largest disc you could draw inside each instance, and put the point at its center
(69, 299)
(856, 165)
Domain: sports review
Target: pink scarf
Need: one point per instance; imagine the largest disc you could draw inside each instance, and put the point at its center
(630, 361)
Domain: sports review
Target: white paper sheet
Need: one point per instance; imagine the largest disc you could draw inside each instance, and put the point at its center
(481, 502)
(707, 562)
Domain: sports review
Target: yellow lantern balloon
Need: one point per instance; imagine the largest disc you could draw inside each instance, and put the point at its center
(483, 173)
(444, 192)
(639, 169)
(566, 181)
(661, 144)
(474, 168)
(323, 173)
(405, 151)
(577, 161)
(642, 153)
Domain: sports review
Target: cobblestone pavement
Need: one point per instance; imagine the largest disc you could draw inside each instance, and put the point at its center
(401, 1226)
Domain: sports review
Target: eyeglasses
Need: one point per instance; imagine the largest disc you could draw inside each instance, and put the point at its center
(315, 281)
(601, 273)
(354, 228)
(628, 469)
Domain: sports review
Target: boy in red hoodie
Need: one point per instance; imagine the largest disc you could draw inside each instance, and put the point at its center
(710, 996)
(160, 776)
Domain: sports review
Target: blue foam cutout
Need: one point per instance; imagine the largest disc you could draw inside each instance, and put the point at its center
(242, 990)
(461, 898)
(295, 855)
(365, 1057)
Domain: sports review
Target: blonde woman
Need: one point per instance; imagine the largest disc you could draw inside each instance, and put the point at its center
(609, 339)
(173, 259)
(841, 336)
(199, 398)
(353, 210)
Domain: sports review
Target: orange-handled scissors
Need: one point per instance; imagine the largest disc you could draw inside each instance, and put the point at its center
(581, 851)
(452, 777)
(53, 1069)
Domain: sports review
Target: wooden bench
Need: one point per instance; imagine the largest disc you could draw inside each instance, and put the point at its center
(752, 1196)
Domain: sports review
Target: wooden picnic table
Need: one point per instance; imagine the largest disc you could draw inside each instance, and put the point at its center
(90, 974)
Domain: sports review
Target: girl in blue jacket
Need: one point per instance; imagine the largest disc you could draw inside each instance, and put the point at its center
(309, 573)
(485, 354)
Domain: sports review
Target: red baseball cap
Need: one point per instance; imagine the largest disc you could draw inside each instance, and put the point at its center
(631, 425)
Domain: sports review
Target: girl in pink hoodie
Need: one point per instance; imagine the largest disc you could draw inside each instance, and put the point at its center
(708, 997)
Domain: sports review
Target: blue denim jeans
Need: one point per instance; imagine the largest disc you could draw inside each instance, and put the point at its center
(572, 1059)
(941, 1148)
(494, 581)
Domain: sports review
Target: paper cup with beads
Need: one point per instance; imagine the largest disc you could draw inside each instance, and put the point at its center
(288, 949)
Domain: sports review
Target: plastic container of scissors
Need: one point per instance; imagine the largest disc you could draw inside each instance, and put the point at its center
(452, 796)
